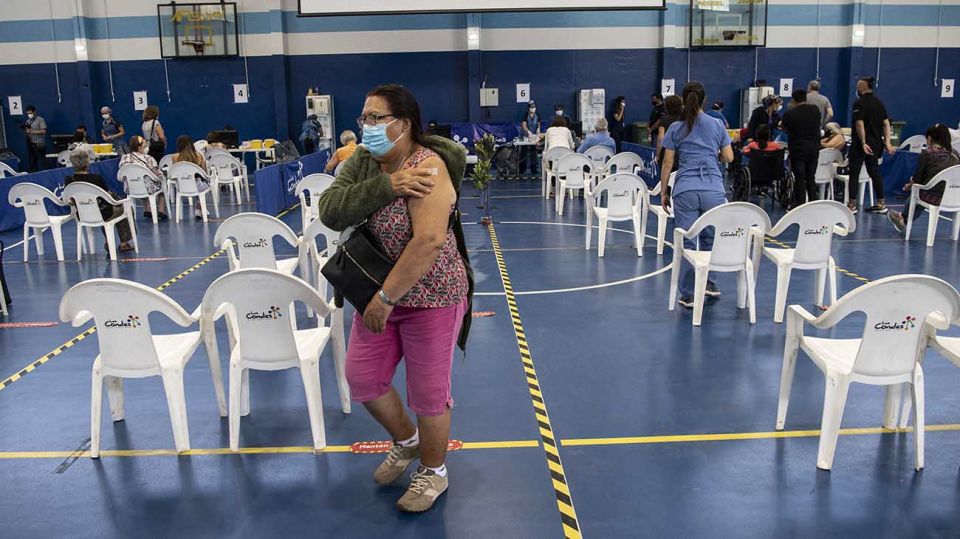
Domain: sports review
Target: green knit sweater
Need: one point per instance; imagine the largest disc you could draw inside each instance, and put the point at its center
(361, 188)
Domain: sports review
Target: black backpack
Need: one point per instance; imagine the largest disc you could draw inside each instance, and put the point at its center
(3, 280)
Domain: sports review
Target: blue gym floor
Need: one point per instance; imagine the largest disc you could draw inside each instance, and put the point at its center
(632, 391)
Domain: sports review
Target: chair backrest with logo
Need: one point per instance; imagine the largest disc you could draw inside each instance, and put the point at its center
(86, 196)
(31, 197)
(951, 190)
(623, 191)
(248, 238)
(731, 224)
(136, 177)
(816, 221)
(185, 174)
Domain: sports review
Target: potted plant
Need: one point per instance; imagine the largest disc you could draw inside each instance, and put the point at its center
(482, 174)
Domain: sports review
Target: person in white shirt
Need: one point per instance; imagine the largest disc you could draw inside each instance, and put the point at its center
(558, 135)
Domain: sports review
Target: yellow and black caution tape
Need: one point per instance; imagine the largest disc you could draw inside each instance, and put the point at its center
(848, 273)
(568, 515)
(90, 331)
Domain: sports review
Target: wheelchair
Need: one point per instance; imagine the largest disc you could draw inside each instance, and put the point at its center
(765, 175)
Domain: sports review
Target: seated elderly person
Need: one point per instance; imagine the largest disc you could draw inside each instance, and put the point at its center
(138, 156)
(599, 138)
(832, 137)
(80, 160)
(348, 139)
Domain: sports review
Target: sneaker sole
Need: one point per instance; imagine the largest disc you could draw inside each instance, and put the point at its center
(710, 294)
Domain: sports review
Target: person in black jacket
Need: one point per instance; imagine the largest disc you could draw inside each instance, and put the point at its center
(871, 134)
(80, 160)
(616, 121)
(765, 114)
(802, 124)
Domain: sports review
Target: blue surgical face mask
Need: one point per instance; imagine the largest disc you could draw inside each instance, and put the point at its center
(375, 139)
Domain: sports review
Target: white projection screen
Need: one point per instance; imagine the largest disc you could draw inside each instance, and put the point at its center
(383, 7)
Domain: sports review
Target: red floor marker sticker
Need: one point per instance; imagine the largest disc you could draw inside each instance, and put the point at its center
(363, 448)
(16, 325)
(483, 314)
(143, 259)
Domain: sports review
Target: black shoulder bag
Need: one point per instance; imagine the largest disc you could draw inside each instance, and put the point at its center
(157, 147)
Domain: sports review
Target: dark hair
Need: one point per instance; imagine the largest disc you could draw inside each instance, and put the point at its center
(693, 97)
(870, 81)
(763, 136)
(658, 95)
(212, 137)
(940, 135)
(799, 95)
(558, 121)
(185, 150)
(616, 102)
(717, 105)
(30, 108)
(152, 112)
(136, 142)
(673, 106)
(403, 105)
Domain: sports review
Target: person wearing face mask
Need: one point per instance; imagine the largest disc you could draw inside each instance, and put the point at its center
(530, 129)
(112, 131)
(871, 133)
(616, 121)
(937, 157)
(558, 113)
(35, 127)
(138, 156)
(656, 117)
(405, 185)
(766, 114)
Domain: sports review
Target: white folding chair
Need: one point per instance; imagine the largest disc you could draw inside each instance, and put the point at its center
(914, 144)
(888, 353)
(663, 215)
(224, 169)
(826, 172)
(548, 168)
(184, 176)
(625, 195)
(816, 222)
(573, 172)
(31, 197)
(130, 349)
(257, 303)
(63, 158)
(7, 172)
(84, 196)
(950, 203)
(136, 177)
(731, 224)
(314, 184)
(628, 162)
(248, 240)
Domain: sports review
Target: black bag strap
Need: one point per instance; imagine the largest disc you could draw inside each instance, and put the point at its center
(457, 226)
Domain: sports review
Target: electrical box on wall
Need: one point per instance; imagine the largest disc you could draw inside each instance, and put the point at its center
(322, 106)
(489, 97)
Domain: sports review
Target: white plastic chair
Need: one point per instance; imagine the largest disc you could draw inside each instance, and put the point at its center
(628, 162)
(914, 144)
(248, 240)
(130, 349)
(224, 169)
(166, 162)
(827, 171)
(183, 175)
(950, 203)
(573, 172)
(31, 197)
(625, 195)
(888, 353)
(599, 155)
(85, 197)
(339, 167)
(7, 172)
(313, 184)
(63, 158)
(136, 177)
(732, 223)
(256, 302)
(663, 215)
(817, 222)
(865, 184)
(548, 168)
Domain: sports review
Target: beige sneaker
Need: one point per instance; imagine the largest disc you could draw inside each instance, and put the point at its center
(425, 487)
(395, 464)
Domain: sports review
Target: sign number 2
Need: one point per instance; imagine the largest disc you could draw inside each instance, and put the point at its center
(15, 105)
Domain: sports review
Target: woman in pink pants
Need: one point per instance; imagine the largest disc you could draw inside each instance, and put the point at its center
(405, 185)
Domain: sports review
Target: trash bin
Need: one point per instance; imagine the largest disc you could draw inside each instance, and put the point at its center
(640, 132)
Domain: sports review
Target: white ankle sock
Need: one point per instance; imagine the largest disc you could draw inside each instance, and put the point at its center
(413, 441)
(441, 471)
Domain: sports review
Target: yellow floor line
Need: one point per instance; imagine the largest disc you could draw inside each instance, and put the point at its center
(12, 455)
(722, 437)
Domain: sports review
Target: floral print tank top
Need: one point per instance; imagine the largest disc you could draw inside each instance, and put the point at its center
(445, 284)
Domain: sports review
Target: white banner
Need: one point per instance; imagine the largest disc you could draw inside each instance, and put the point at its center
(379, 7)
